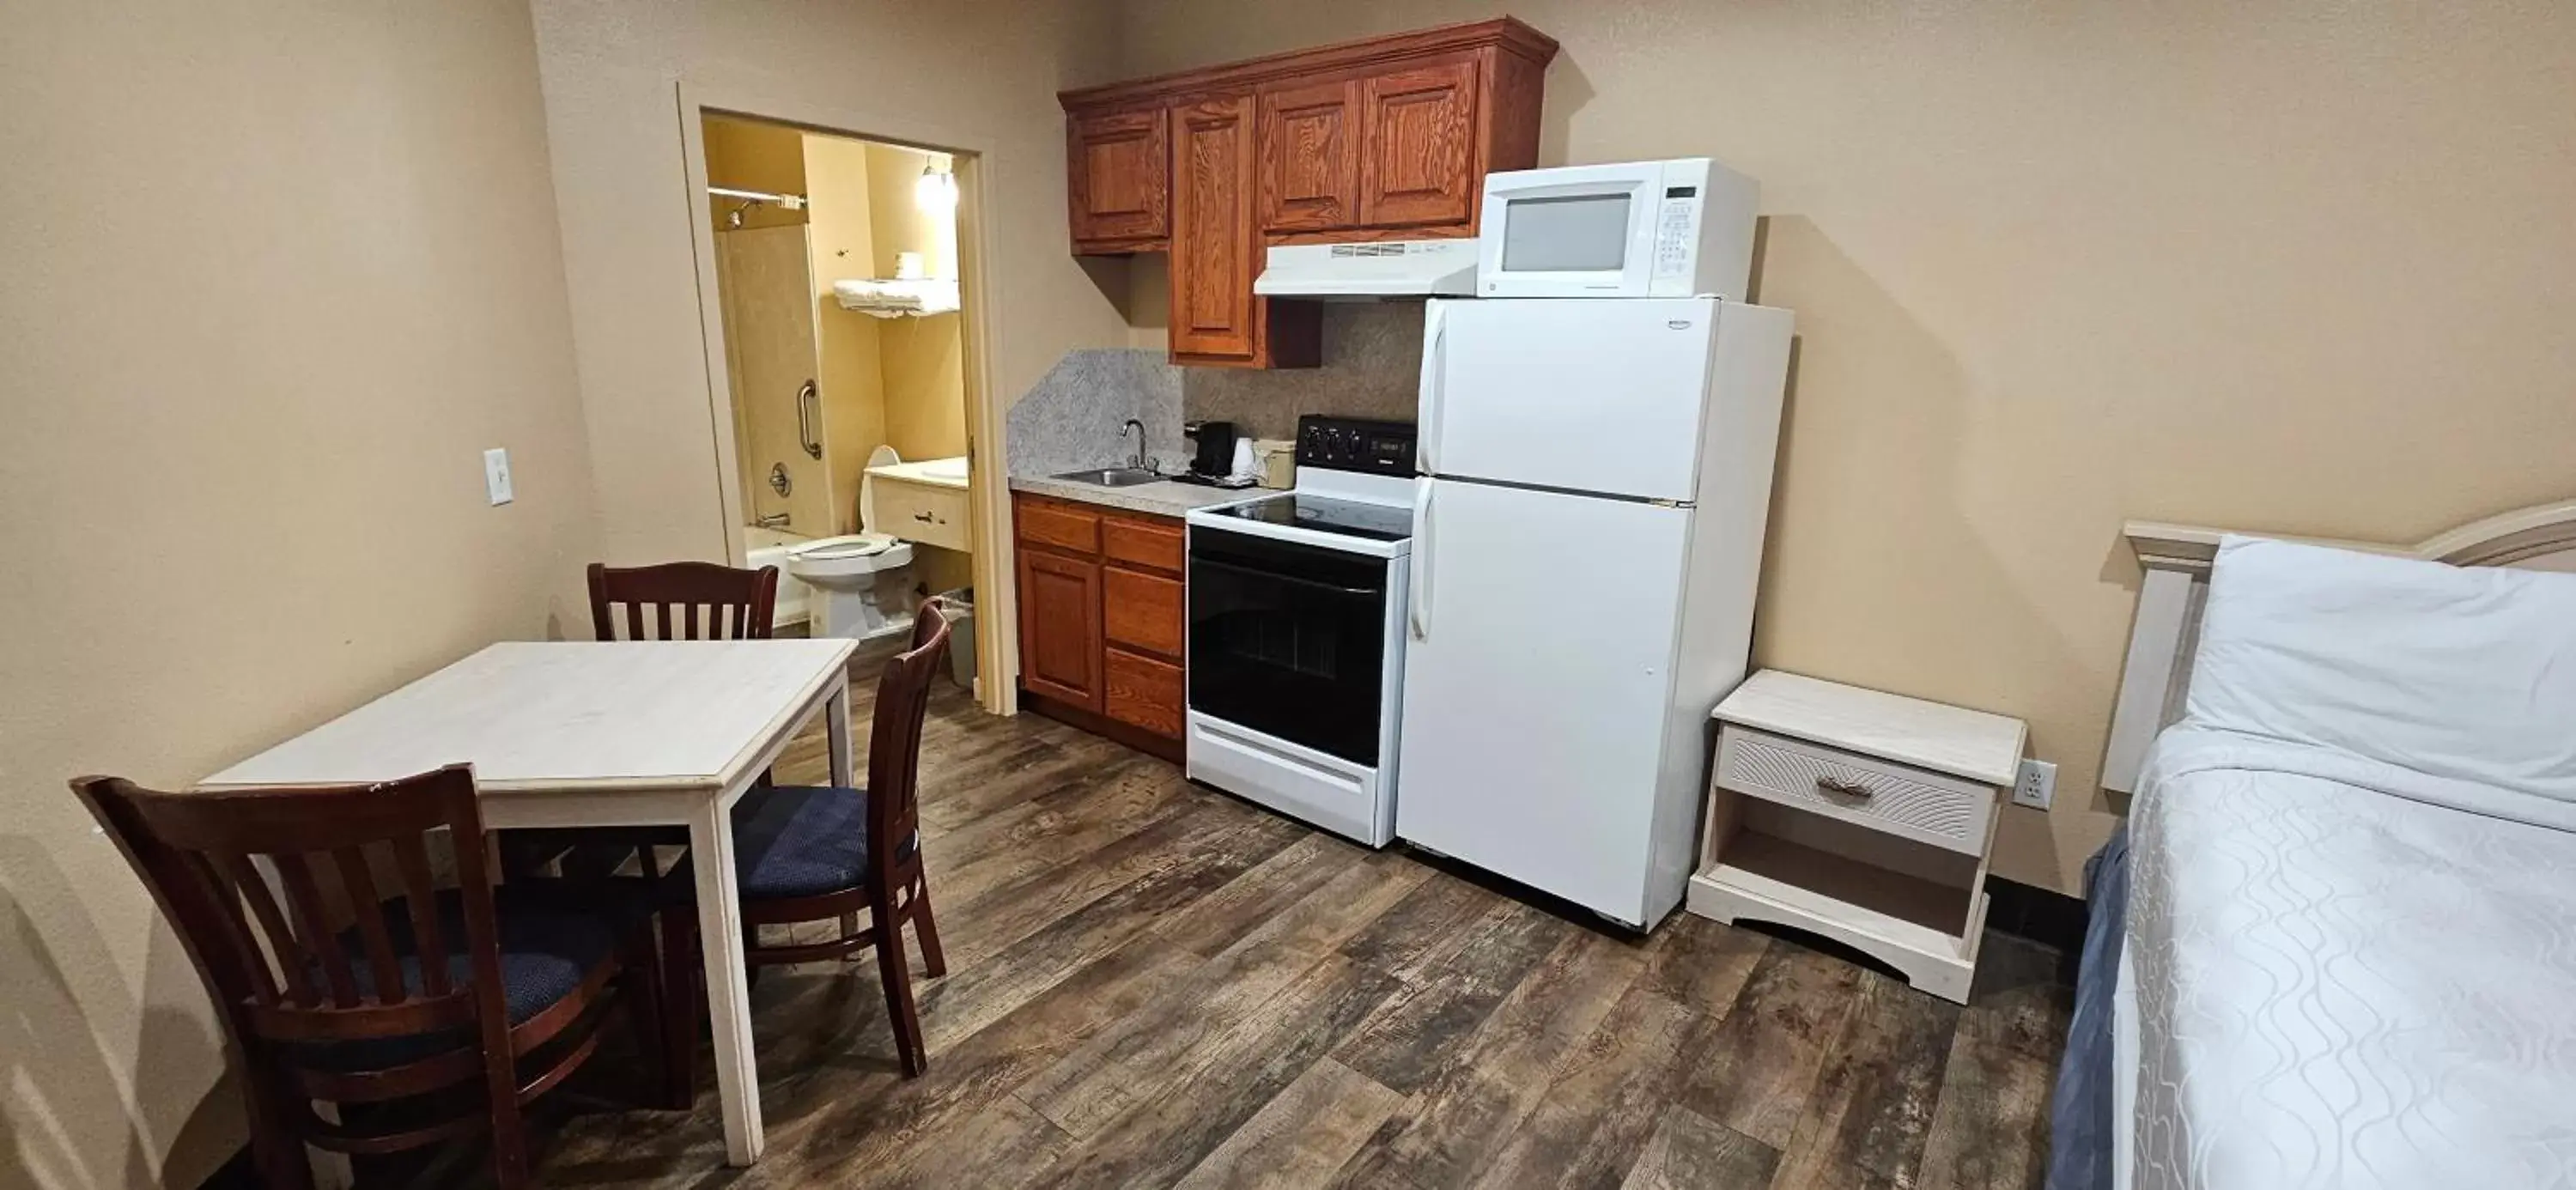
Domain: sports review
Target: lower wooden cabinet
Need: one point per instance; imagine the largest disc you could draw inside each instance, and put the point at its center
(1103, 609)
(1060, 627)
(1143, 692)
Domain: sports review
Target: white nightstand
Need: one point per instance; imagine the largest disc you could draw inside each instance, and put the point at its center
(1861, 816)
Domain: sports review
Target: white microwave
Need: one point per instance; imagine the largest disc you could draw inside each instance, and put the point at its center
(1679, 228)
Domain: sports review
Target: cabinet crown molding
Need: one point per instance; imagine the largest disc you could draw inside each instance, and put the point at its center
(1507, 34)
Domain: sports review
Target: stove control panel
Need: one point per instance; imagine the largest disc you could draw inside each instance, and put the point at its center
(1352, 444)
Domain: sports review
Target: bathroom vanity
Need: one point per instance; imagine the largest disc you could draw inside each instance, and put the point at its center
(923, 502)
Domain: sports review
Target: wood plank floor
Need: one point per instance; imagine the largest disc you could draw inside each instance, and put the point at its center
(1154, 984)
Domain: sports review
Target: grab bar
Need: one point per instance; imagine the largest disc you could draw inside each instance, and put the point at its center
(809, 411)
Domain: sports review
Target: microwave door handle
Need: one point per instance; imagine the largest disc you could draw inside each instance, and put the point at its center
(1435, 377)
(1417, 593)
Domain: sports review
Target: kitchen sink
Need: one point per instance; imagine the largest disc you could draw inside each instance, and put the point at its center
(1111, 477)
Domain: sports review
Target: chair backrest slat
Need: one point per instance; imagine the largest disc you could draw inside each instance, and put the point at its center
(305, 908)
(688, 601)
(894, 747)
(229, 881)
(366, 904)
(411, 859)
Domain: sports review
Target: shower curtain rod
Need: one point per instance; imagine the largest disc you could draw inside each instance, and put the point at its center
(791, 202)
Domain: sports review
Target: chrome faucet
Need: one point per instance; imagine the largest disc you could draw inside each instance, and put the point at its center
(1139, 461)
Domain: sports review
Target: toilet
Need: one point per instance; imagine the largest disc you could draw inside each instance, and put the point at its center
(861, 585)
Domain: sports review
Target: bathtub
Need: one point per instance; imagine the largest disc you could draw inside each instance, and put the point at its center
(768, 547)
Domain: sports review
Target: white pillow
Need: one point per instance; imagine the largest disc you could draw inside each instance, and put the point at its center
(2460, 672)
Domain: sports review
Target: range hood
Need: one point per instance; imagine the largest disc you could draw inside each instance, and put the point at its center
(1370, 272)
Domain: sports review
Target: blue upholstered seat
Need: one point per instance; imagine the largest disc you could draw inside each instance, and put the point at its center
(800, 840)
(551, 937)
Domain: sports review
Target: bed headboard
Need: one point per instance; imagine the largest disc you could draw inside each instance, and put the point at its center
(2177, 560)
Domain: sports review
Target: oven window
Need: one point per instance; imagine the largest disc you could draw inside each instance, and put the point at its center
(1579, 233)
(1288, 640)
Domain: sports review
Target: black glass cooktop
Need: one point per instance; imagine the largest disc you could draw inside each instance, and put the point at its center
(1351, 518)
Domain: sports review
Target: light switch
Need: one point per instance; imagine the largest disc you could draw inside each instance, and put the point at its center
(496, 475)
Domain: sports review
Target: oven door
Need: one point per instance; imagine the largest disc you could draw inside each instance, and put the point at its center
(1289, 640)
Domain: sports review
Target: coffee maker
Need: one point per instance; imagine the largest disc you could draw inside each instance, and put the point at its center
(1213, 461)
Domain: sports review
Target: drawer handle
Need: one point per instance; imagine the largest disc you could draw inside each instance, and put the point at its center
(922, 517)
(1847, 788)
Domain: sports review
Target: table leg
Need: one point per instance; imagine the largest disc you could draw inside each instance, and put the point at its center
(728, 985)
(836, 724)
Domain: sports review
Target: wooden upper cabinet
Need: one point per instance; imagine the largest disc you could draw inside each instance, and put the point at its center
(1310, 164)
(1420, 129)
(1119, 166)
(1386, 138)
(1215, 246)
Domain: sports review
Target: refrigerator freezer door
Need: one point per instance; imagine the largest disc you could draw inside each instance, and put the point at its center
(1536, 685)
(1585, 395)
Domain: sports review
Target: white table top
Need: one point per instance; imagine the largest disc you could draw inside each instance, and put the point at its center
(569, 715)
(1931, 735)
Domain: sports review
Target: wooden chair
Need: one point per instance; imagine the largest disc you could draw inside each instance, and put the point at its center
(824, 853)
(707, 601)
(685, 601)
(417, 1016)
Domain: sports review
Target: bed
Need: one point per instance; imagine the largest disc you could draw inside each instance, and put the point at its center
(2335, 944)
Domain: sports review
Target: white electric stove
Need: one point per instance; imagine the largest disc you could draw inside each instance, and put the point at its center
(1296, 632)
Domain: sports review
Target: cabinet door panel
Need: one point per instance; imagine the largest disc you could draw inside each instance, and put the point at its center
(1214, 313)
(1143, 692)
(1060, 628)
(1309, 158)
(1417, 131)
(1119, 172)
(1141, 611)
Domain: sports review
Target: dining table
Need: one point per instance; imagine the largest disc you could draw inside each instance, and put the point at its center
(607, 733)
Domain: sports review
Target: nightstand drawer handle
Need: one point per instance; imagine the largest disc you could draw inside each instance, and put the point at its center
(1847, 788)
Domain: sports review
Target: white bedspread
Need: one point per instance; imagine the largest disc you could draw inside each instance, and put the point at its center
(2345, 978)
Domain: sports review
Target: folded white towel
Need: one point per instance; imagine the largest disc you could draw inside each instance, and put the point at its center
(894, 299)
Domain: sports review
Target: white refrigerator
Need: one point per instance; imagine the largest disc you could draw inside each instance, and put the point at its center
(1586, 545)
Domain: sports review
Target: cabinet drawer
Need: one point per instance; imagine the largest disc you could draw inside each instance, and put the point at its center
(1154, 545)
(1926, 807)
(1141, 611)
(1143, 692)
(1045, 522)
(922, 512)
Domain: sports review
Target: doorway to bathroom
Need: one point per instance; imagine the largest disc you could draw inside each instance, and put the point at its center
(841, 309)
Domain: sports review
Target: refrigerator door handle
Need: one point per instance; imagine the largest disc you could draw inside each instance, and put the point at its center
(1435, 369)
(1417, 593)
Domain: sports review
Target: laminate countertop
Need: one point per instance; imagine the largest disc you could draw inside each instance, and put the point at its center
(1159, 498)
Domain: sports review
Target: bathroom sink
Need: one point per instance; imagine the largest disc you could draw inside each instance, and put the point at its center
(1111, 477)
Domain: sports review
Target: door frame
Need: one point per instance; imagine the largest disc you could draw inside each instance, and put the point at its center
(997, 660)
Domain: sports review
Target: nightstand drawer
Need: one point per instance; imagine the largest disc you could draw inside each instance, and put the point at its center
(1910, 803)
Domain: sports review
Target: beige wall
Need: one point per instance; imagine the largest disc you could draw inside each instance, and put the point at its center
(853, 366)
(278, 273)
(2290, 266)
(925, 386)
(980, 76)
(760, 157)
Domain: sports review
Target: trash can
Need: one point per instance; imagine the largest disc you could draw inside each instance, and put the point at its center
(960, 605)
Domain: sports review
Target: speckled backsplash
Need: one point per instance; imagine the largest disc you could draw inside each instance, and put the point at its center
(1372, 368)
(1071, 418)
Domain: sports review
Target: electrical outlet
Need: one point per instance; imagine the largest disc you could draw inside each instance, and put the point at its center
(2037, 785)
(496, 475)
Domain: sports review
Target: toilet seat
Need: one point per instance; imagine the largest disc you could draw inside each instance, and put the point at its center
(853, 554)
